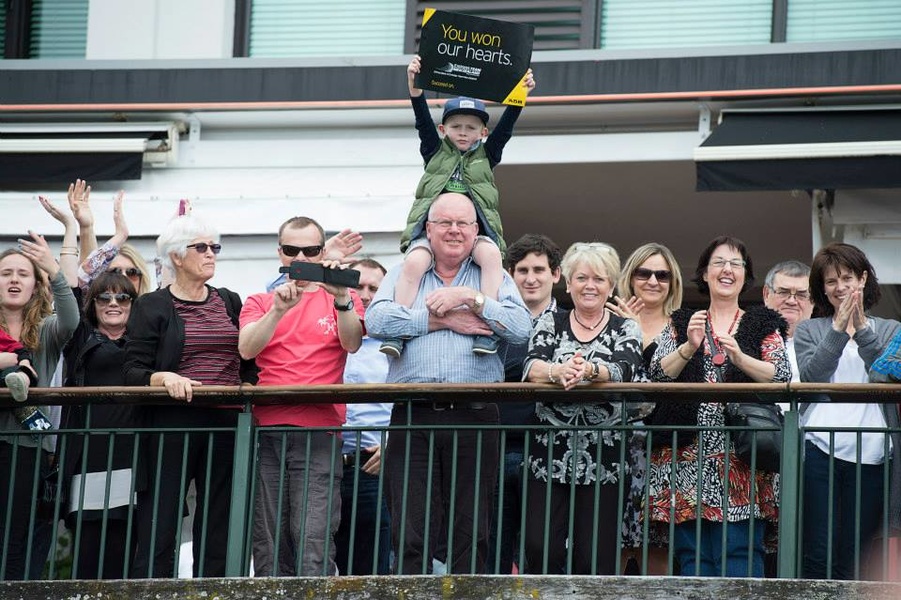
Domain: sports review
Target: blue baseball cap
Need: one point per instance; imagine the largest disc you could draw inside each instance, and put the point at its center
(465, 106)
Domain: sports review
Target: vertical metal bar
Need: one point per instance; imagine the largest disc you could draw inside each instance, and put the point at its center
(523, 512)
(547, 501)
(79, 515)
(204, 518)
(104, 519)
(251, 514)
(886, 506)
(135, 452)
(698, 501)
(671, 550)
(330, 499)
(34, 505)
(724, 532)
(501, 480)
(571, 510)
(156, 505)
(455, 456)
(182, 492)
(752, 494)
(830, 516)
(858, 496)
(352, 527)
(279, 506)
(790, 504)
(625, 431)
(240, 499)
(427, 518)
(61, 445)
(379, 500)
(475, 505)
(14, 457)
(403, 500)
(305, 499)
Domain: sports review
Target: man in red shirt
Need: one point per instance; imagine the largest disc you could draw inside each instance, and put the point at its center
(300, 333)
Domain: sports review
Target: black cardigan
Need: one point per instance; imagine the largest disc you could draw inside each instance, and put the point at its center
(680, 410)
(156, 336)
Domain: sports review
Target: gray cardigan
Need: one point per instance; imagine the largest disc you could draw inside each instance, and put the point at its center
(54, 332)
(818, 348)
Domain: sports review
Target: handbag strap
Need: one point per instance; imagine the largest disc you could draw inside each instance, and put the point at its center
(717, 370)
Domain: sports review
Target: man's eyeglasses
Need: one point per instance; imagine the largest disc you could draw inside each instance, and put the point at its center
(129, 272)
(719, 263)
(308, 251)
(643, 274)
(202, 247)
(784, 294)
(107, 297)
(447, 224)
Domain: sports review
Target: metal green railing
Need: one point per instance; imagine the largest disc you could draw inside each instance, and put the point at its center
(22, 466)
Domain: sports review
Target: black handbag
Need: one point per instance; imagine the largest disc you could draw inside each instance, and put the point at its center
(51, 491)
(763, 422)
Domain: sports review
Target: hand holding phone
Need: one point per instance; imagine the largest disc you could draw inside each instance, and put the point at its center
(307, 271)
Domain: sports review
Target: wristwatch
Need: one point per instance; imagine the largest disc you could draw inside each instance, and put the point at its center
(478, 303)
(344, 307)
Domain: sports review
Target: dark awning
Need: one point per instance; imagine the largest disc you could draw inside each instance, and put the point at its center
(802, 149)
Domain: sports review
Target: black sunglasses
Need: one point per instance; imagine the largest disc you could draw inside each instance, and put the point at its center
(644, 274)
(308, 251)
(202, 247)
(129, 272)
(107, 297)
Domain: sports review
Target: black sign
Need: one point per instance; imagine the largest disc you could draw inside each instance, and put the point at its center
(464, 55)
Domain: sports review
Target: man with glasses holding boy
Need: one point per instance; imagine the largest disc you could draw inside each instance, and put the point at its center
(787, 291)
(299, 333)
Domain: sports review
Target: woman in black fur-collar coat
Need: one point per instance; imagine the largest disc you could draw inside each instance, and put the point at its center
(721, 344)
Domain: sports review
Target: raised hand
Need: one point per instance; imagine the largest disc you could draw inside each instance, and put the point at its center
(342, 244)
(38, 250)
(413, 69)
(697, 327)
(79, 203)
(66, 219)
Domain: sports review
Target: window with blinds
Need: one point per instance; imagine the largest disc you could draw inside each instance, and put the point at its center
(682, 23)
(834, 20)
(59, 28)
(559, 24)
(332, 28)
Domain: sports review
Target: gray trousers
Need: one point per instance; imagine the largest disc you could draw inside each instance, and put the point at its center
(310, 503)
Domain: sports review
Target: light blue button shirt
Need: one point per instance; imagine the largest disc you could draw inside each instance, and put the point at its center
(366, 365)
(444, 356)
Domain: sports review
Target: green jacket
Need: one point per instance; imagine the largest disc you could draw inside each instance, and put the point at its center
(477, 175)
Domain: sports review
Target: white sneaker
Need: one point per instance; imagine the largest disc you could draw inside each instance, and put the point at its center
(17, 383)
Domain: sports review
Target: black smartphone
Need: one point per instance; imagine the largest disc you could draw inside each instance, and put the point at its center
(307, 271)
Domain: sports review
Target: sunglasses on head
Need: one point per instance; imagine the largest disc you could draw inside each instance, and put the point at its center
(107, 297)
(202, 247)
(129, 272)
(644, 274)
(308, 251)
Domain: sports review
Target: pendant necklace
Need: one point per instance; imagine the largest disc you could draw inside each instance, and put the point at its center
(576, 317)
(719, 357)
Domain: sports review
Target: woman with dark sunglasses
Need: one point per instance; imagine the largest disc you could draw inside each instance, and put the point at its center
(100, 468)
(650, 289)
(180, 337)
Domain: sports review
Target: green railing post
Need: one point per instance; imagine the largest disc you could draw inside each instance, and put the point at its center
(789, 506)
(239, 515)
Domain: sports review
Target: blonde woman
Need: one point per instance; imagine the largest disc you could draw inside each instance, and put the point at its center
(650, 288)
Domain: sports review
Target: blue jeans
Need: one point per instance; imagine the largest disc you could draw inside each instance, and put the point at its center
(711, 546)
(818, 529)
(368, 505)
(512, 517)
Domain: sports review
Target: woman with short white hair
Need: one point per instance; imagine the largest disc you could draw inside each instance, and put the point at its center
(181, 337)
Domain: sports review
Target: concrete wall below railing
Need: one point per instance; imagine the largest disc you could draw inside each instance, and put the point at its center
(461, 587)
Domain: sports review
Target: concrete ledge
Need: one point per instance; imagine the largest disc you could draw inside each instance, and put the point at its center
(460, 587)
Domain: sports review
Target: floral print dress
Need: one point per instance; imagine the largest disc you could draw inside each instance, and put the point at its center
(592, 452)
(673, 481)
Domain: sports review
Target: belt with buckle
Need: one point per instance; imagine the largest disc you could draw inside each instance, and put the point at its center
(350, 459)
